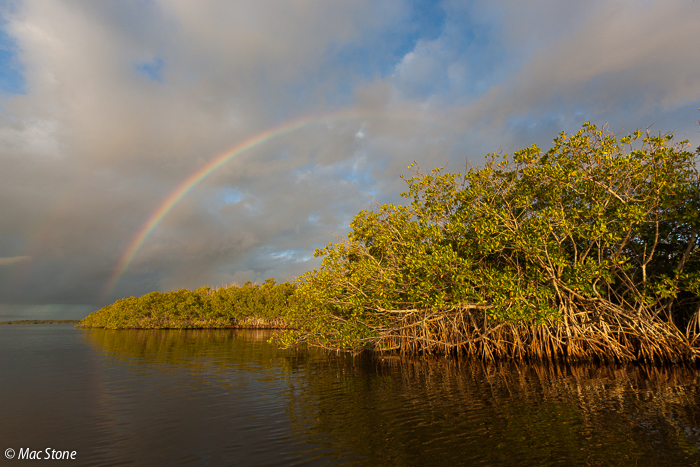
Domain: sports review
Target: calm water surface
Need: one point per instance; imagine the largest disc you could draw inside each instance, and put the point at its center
(228, 398)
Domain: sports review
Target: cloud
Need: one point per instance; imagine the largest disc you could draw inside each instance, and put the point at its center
(121, 102)
(618, 57)
(14, 260)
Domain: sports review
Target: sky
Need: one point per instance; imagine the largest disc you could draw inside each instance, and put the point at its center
(152, 145)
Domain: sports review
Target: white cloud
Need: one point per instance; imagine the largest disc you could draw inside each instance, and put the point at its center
(620, 58)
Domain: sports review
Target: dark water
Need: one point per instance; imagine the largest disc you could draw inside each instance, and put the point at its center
(229, 398)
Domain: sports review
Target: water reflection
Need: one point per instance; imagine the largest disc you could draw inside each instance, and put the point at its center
(222, 397)
(439, 411)
(446, 412)
(210, 347)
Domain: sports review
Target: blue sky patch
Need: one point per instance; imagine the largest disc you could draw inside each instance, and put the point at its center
(232, 196)
(11, 77)
(382, 51)
(152, 70)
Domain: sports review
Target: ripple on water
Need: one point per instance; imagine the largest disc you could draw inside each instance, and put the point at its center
(229, 397)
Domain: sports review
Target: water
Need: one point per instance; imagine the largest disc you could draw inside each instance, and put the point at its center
(228, 398)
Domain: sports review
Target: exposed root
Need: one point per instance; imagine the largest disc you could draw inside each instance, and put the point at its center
(602, 334)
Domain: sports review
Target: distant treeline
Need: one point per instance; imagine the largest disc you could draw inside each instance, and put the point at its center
(42, 321)
(251, 305)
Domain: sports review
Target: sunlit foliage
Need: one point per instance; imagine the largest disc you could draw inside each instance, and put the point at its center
(587, 250)
(252, 305)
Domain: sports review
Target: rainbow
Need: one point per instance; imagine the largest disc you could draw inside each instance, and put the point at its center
(176, 195)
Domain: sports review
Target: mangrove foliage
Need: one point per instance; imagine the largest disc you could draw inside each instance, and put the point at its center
(585, 251)
(251, 306)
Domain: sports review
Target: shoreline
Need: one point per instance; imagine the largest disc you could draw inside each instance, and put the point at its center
(181, 328)
(251, 322)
